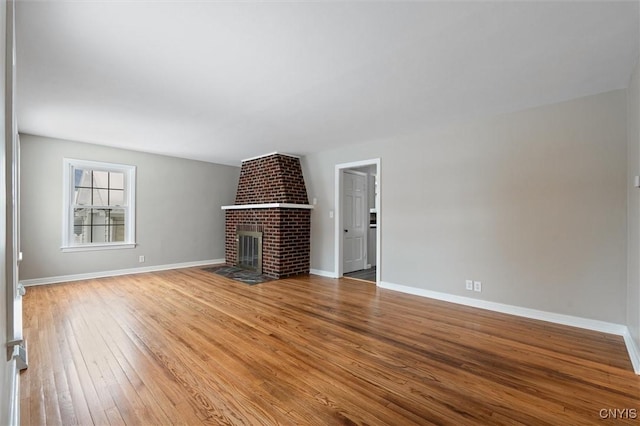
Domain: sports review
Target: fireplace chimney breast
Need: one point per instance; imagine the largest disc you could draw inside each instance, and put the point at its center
(272, 196)
(275, 178)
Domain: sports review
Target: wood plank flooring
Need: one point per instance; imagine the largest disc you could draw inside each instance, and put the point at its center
(191, 347)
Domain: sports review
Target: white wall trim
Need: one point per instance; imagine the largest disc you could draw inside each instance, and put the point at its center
(14, 394)
(270, 154)
(17, 331)
(70, 165)
(632, 348)
(569, 320)
(268, 206)
(322, 273)
(596, 325)
(102, 274)
(97, 247)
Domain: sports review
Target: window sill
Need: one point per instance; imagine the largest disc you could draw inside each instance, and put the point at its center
(95, 247)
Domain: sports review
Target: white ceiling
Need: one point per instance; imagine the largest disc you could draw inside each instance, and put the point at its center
(223, 81)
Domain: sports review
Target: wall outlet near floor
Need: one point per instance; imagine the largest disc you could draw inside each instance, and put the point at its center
(141, 259)
(469, 284)
(477, 286)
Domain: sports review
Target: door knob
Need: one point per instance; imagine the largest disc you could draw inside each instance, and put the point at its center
(346, 230)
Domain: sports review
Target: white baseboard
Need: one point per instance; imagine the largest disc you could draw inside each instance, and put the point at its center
(589, 324)
(102, 274)
(322, 273)
(634, 352)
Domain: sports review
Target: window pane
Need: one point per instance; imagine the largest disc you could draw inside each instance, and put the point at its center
(99, 217)
(116, 197)
(83, 214)
(81, 226)
(99, 234)
(117, 216)
(82, 178)
(83, 234)
(83, 196)
(100, 197)
(100, 179)
(110, 226)
(80, 218)
(98, 225)
(116, 180)
(117, 233)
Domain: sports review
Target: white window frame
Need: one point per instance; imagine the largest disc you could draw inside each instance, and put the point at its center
(69, 166)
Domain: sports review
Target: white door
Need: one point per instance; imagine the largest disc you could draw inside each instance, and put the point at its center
(354, 220)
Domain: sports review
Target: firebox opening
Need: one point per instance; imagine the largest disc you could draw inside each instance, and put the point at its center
(249, 251)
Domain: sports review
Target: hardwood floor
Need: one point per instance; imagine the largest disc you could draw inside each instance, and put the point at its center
(191, 347)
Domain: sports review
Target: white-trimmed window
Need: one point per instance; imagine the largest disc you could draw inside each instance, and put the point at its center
(99, 205)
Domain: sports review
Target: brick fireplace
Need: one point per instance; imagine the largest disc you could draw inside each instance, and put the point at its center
(271, 201)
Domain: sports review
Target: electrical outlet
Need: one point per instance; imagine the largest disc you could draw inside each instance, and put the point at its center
(141, 259)
(477, 286)
(469, 284)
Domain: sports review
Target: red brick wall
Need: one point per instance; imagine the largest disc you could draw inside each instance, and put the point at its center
(286, 238)
(272, 179)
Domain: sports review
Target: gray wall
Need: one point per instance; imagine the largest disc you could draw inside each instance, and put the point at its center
(633, 216)
(533, 204)
(178, 216)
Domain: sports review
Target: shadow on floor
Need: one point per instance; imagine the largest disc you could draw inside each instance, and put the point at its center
(364, 274)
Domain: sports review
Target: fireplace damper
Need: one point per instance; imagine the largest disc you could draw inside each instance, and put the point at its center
(249, 252)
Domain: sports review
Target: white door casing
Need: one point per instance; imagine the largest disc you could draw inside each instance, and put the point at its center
(338, 229)
(355, 222)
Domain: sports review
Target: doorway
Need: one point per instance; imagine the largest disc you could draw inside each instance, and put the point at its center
(357, 224)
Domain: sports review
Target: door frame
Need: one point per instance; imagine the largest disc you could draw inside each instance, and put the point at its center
(338, 235)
